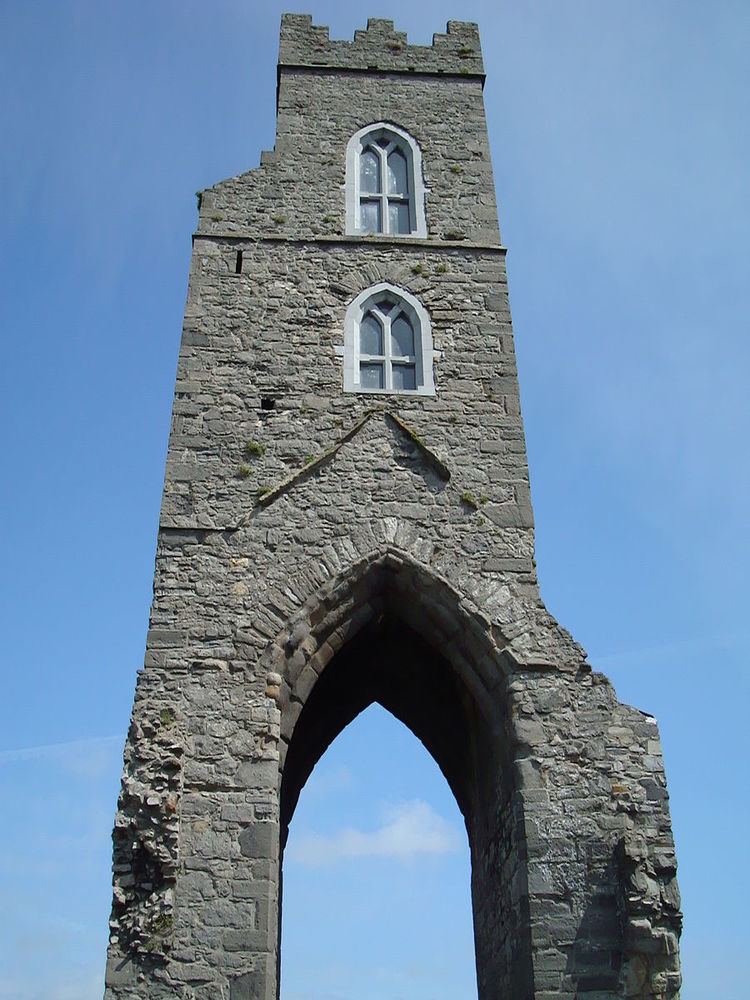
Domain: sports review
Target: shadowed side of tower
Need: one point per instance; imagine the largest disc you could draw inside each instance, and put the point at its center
(346, 520)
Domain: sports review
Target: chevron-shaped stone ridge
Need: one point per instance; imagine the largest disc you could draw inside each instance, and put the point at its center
(429, 456)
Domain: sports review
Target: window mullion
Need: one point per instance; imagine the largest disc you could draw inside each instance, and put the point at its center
(387, 348)
(383, 187)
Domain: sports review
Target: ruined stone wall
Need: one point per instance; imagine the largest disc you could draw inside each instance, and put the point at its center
(273, 332)
(295, 515)
(297, 190)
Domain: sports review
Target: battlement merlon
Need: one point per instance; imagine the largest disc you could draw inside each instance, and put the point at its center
(381, 48)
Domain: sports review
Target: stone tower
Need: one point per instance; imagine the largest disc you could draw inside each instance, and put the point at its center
(346, 519)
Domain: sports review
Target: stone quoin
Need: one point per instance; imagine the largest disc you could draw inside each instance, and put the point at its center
(346, 520)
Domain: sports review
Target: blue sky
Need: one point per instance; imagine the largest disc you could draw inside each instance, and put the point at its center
(620, 141)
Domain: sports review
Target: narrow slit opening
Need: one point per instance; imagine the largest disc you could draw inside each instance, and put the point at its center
(238, 263)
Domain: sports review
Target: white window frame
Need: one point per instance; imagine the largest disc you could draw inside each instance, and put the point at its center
(410, 148)
(423, 358)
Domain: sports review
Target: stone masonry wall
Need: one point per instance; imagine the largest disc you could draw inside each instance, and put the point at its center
(297, 189)
(295, 516)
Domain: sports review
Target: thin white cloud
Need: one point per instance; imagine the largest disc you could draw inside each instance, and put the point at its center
(85, 985)
(409, 829)
(696, 643)
(70, 751)
(327, 782)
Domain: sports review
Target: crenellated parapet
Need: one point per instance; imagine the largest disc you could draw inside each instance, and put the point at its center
(381, 47)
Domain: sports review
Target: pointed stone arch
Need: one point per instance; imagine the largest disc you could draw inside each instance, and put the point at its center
(388, 630)
(392, 583)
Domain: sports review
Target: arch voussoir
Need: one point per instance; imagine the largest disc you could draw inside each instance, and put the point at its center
(386, 581)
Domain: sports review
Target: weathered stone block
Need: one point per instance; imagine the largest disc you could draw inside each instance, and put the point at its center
(260, 840)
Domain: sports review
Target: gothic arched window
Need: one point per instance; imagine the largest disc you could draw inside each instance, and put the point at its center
(384, 187)
(388, 343)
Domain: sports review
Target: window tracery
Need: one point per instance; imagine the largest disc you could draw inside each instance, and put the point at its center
(388, 343)
(384, 188)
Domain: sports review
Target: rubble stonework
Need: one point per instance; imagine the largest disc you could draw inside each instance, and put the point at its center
(321, 550)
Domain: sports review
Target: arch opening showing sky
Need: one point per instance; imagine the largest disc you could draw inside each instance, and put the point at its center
(377, 895)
